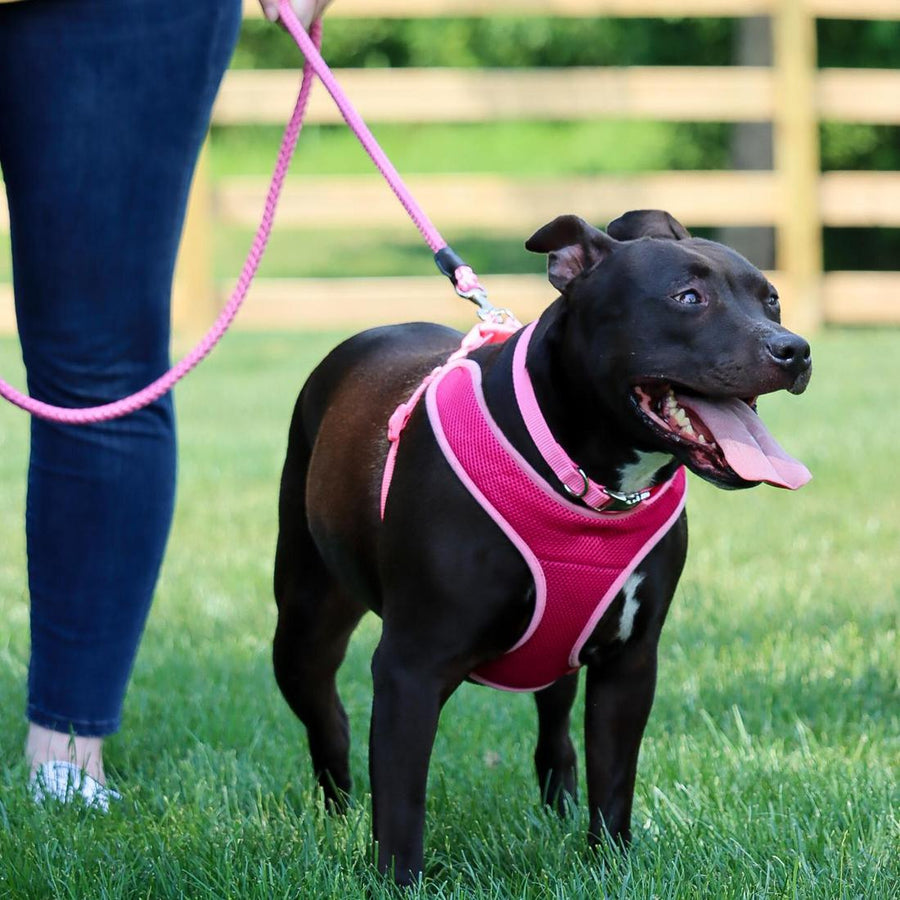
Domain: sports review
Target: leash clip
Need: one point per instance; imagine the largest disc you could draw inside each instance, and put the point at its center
(628, 499)
(478, 296)
(466, 284)
(486, 311)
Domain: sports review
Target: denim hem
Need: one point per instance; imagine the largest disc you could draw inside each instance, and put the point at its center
(81, 728)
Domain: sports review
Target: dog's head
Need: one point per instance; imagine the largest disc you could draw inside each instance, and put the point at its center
(675, 337)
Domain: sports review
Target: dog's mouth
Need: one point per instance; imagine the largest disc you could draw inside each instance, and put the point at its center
(721, 439)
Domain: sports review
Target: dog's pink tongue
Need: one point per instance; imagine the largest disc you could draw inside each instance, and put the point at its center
(748, 446)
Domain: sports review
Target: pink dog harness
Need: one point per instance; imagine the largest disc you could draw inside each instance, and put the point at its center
(579, 558)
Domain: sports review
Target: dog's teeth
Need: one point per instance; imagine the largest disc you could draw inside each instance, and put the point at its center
(681, 417)
(688, 429)
(701, 438)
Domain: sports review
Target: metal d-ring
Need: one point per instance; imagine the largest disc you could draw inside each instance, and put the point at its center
(584, 489)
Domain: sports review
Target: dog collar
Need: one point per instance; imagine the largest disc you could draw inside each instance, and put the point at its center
(573, 478)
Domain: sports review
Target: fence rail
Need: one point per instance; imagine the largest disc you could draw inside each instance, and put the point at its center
(489, 95)
(674, 94)
(860, 199)
(795, 197)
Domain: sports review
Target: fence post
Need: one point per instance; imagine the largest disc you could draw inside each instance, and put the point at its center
(193, 295)
(799, 233)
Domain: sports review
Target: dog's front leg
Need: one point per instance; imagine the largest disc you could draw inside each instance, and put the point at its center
(405, 710)
(617, 705)
(554, 756)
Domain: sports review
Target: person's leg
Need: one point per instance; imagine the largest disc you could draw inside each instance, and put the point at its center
(103, 107)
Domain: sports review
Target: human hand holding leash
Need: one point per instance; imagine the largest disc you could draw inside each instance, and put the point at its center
(307, 10)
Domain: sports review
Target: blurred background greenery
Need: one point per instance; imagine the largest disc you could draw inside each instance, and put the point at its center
(533, 148)
(539, 149)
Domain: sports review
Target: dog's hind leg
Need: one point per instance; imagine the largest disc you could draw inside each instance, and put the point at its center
(308, 649)
(554, 756)
(315, 621)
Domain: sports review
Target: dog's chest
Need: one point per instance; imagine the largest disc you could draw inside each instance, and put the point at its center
(580, 560)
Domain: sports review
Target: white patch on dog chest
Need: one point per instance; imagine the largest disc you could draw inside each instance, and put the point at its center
(637, 476)
(630, 607)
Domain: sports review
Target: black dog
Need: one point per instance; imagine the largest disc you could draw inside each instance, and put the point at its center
(652, 357)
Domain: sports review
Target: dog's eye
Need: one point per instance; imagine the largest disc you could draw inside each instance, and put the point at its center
(773, 303)
(688, 298)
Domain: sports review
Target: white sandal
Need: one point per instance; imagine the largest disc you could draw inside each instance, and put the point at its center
(66, 782)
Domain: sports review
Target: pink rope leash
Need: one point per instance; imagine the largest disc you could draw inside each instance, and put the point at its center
(359, 127)
(464, 279)
(156, 389)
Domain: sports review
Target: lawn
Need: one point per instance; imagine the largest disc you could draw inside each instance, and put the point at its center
(770, 763)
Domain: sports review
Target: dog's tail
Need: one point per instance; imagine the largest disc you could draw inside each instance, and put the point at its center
(293, 533)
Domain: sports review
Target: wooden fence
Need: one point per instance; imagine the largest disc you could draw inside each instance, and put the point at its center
(795, 197)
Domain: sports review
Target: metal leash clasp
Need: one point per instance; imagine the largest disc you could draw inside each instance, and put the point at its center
(465, 283)
(478, 296)
(629, 500)
(486, 311)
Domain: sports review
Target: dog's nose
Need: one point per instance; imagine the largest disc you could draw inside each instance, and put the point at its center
(791, 352)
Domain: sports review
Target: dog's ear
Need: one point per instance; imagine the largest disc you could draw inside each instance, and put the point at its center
(654, 223)
(573, 245)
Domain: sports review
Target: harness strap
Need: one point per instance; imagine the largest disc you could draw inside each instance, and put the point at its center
(497, 327)
(494, 330)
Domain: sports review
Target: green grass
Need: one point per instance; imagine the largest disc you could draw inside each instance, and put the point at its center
(769, 769)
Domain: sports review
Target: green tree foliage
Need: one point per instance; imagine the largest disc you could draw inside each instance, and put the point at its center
(501, 42)
(849, 43)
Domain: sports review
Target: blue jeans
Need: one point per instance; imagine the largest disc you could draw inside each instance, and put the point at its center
(103, 108)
